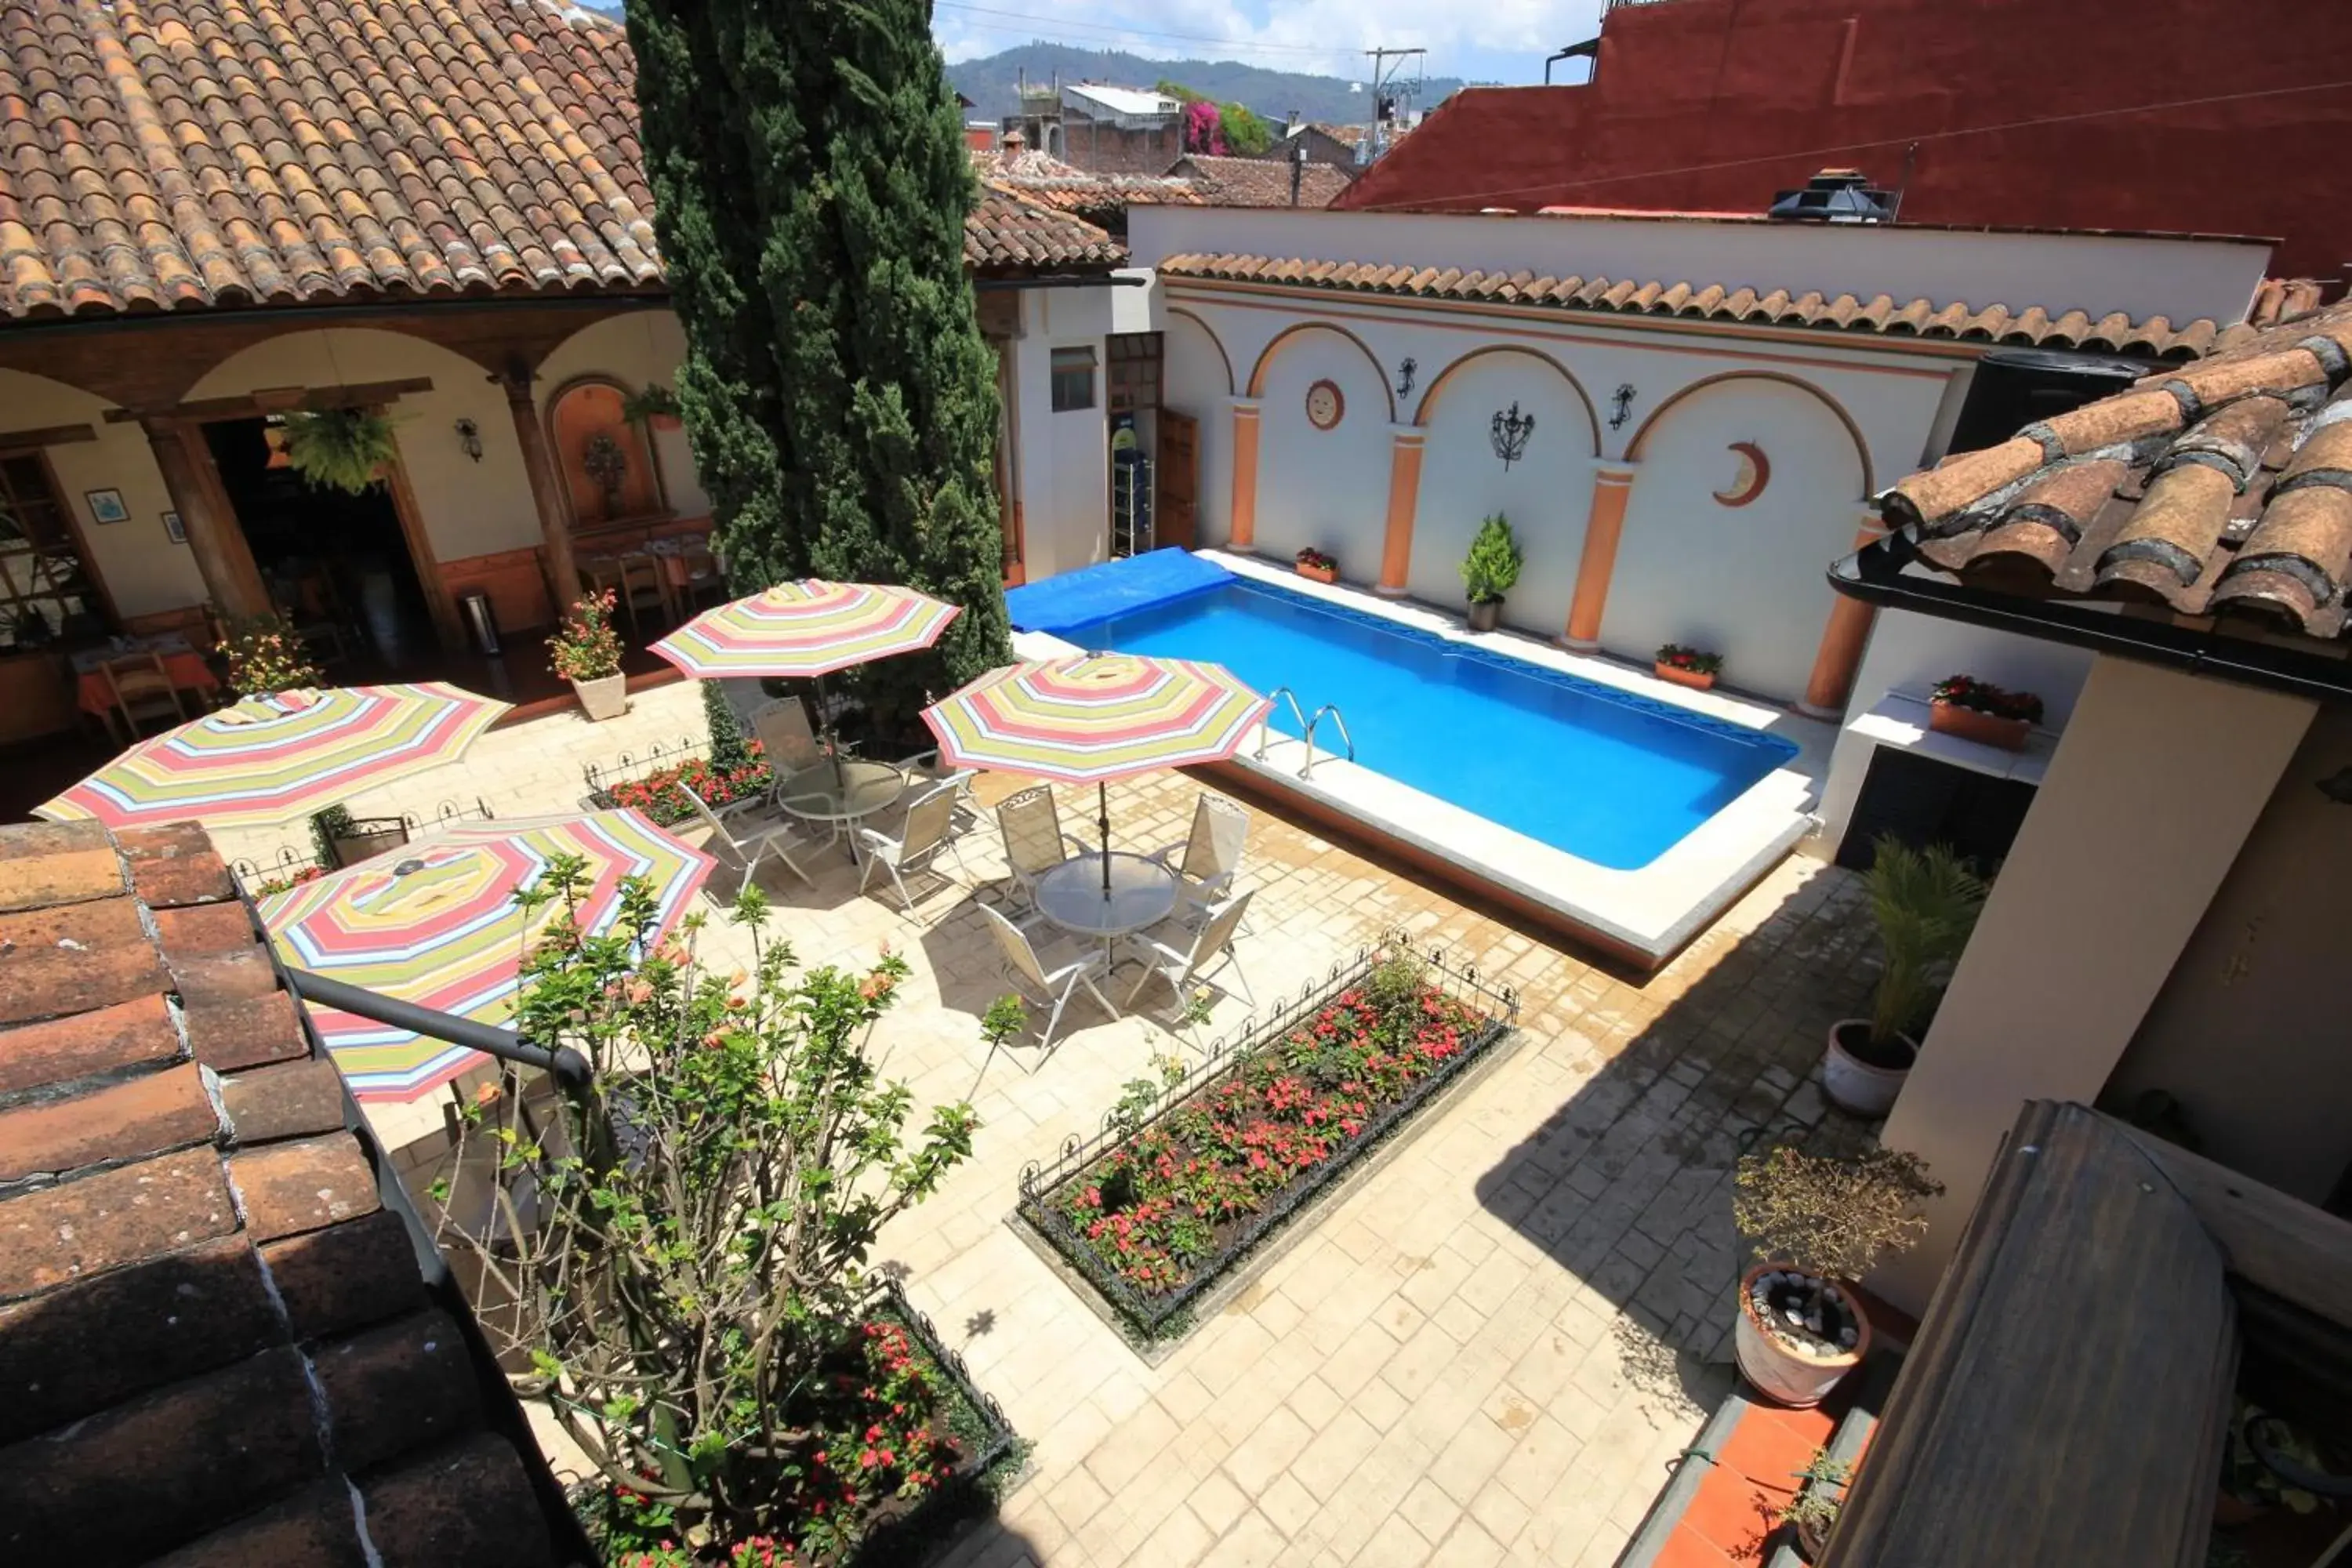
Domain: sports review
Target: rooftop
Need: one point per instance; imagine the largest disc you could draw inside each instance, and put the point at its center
(1140, 103)
(1260, 182)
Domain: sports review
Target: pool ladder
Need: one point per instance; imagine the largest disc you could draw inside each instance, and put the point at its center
(1307, 728)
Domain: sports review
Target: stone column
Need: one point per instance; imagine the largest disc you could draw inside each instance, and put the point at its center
(1612, 486)
(1843, 636)
(223, 559)
(1244, 535)
(1405, 446)
(546, 490)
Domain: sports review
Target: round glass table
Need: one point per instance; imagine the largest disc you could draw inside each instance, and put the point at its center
(840, 798)
(1142, 894)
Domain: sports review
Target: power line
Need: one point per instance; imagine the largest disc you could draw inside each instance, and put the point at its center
(1131, 32)
(1863, 146)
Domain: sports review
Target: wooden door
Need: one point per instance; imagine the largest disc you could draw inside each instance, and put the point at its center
(1179, 478)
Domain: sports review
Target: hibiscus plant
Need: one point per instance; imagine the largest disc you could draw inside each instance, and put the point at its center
(678, 1250)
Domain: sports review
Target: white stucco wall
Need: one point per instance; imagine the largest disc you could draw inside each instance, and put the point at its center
(141, 568)
(644, 346)
(470, 508)
(1194, 382)
(1328, 489)
(1546, 494)
(1064, 458)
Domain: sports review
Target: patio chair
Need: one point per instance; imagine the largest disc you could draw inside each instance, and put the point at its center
(924, 767)
(1034, 840)
(782, 729)
(1209, 952)
(756, 842)
(927, 834)
(143, 689)
(1211, 854)
(1052, 987)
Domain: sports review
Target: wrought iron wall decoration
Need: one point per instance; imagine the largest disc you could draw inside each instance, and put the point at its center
(1511, 431)
(1620, 405)
(1405, 373)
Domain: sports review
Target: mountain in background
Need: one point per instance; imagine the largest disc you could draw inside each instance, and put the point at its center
(992, 82)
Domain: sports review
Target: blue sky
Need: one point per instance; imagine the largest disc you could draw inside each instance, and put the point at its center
(1487, 41)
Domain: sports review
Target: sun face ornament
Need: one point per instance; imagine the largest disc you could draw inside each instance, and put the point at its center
(1325, 405)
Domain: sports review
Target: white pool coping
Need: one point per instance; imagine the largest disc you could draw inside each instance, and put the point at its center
(1654, 910)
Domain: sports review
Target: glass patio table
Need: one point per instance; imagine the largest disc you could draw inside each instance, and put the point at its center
(840, 798)
(1142, 893)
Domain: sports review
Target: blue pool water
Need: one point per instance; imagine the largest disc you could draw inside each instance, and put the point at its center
(1610, 777)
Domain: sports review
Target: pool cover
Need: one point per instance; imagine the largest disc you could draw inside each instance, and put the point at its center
(1112, 589)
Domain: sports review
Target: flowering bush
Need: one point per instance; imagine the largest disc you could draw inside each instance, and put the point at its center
(660, 796)
(1168, 1198)
(1314, 558)
(586, 648)
(288, 883)
(265, 656)
(1673, 656)
(1968, 691)
(695, 1278)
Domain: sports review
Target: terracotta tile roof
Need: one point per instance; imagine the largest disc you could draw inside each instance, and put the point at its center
(2224, 487)
(1011, 232)
(1045, 180)
(214, 1337)
(2156, 338)
(205, 153)
(1259, 182)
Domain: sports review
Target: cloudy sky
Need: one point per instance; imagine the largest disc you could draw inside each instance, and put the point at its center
(1480, 40)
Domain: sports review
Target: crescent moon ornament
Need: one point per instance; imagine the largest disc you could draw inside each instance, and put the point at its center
(1755, 473)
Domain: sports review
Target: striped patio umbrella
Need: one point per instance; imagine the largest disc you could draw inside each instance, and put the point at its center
(1097, 717)
(800, 630)
(267, 760)
(438, 925)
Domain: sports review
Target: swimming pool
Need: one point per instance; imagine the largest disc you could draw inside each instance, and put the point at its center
(1603, 775)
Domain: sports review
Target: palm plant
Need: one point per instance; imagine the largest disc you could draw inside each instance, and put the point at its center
(1926, 902)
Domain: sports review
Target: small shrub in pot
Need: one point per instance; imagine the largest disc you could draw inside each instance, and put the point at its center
(1926, 903)
(1490, 570)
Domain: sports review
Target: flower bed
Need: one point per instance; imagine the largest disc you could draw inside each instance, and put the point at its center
(659, 796)
(901, 1447)
(1155, 1210)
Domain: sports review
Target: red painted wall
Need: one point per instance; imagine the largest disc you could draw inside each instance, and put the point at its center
(1716, 105)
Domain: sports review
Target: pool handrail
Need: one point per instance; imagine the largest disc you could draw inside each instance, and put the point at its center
(1264, 729)
(1336, 718)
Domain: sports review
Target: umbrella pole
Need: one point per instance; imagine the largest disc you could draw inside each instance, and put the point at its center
(1102, 821)
(832, 741)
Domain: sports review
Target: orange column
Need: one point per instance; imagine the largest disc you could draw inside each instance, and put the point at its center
(1404, 499)
(1842, 640)
(1612, 486)
(1244, 536)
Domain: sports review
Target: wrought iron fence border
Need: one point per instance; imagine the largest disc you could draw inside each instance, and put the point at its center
(600, 777)
(1041, 1184)
(1001, 1437)
(289, 861)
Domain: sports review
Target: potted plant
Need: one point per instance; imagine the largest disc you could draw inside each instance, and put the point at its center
(1978, 711)
(1812, 1512)
(265, 656)
(1490, 570)
(1312, 562)
(1926, 902)
(1688, 665)
(340, 449)
(654, 407)
(1817, 1222)
(342, 839)
(587, 652)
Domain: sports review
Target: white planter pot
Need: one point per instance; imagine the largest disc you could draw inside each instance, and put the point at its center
(607, 697)
(1780, 1371)
(1854, 1085)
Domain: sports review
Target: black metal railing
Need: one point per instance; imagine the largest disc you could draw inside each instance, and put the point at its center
(567, 1067)
(290, 864)
(630, 766)
(1043, 1184)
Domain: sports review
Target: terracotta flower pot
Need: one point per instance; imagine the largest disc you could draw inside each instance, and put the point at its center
(1693, 679)
(666, 421)
(1318, 574)
(1486, 615)
(606, 697)
(1781, 1372)
(1974, 724)
(1864, 1080)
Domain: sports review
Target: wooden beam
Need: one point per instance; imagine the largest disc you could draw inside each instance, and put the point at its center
(45, 435)
(538, 469)
(2287, 1246)
(275, 400)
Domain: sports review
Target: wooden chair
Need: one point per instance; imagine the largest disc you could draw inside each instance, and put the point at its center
(1209, 952)
(1034, 840)
(1052, 987)
(642, 590)
(697, 575)
(929, 833)
(143, 689)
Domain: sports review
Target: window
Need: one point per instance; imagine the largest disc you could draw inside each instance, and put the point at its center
(1074, 380)
(45, 589)
(1134, 371)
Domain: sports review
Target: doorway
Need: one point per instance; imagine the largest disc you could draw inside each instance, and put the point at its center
(337, 566)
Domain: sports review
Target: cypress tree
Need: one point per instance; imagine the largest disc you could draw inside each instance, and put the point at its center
(810, 186)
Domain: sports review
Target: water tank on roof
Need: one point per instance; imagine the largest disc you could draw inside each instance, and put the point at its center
(1834, 195)
(2014, 387)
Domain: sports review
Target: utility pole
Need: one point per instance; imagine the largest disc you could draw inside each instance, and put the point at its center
(1391, 91)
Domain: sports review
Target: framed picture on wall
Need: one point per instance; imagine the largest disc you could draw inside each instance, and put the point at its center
(106, 506)
(172, 529)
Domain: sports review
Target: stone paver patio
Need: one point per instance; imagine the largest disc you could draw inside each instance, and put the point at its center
(1488, 1352)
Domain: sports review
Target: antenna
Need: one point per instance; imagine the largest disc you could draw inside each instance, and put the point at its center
(1392, 92)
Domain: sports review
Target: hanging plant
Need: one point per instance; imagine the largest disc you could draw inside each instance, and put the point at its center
(340, 449)
(655, 404)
